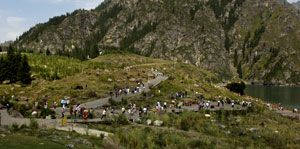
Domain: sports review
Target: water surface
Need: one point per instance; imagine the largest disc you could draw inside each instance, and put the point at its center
(287, 96)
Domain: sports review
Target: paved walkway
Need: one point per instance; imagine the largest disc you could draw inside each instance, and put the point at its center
(100, 102)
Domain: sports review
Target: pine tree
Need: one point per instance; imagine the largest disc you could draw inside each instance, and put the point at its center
(48, 52)
(239, 70)
(2, 69)
(94, 52)
(23, 74)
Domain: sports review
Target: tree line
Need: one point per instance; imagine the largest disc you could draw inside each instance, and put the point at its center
(14, 67)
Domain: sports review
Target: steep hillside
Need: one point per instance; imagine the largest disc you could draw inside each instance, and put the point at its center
(257, 40)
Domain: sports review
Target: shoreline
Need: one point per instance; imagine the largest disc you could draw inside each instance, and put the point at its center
(272, 84)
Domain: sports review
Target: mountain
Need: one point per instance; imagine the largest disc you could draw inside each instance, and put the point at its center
(256, 40)
(297, 4)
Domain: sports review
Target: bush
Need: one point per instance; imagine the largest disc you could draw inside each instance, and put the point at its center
(120, 120)
(15, 127)
(46, 112)
(237, 87)
(33, 125)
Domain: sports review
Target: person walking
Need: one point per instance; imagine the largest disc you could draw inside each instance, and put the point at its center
(103, 114)
(123, 110)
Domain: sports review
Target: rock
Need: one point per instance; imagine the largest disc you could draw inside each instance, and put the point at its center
(228, 118)
(227, 132)
(70, 145)
(297, 139)
(148, 122)
(207, 115)
(222, 126)
(3, 135)
(48, 117)
(86, 142)
(16, 114)
(6, 82)
(158, 123)
(253, 129)
(196, 85)
(132, 79)
(213, 121)
(276, 131)
(41, 143)
(77, 140)
(109, 80)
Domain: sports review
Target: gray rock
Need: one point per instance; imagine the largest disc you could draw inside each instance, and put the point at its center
(86, 142)
(148, 122)
(70, 146)
(227, 132)
(253, 129)
(222, 126)
(68, 137)
(132, 79)
(213, 121)
(158, 123)
(48, 117)
(3, 135)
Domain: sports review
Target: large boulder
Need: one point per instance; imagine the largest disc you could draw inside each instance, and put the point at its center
(148, 122)
(16, 114)
(158, 123)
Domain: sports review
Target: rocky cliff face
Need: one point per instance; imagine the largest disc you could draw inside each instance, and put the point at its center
(257, 40)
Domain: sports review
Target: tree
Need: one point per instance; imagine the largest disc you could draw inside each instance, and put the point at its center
(1, 49)
(237, 87)
(23, 74)
(48, 52)
(94, 52)
(2, 70)
(239, 70)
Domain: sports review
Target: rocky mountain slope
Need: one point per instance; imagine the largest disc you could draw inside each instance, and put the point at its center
(257, 40)
(297, 4)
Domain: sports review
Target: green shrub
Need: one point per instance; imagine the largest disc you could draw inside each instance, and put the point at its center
(33, 125)
(46, 112)
(119, 120)
(15, 127)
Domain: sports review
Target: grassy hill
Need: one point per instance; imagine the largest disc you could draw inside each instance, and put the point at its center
(257, 126)
(57, 76)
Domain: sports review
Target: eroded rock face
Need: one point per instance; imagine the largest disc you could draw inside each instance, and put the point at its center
(257, 40)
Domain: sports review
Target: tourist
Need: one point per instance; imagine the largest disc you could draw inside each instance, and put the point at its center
(85, 114)
(145, 110)
(218, 103)
(112, 112)
(123, 110)
(91, 113)
(7, 108)
(232, 104)
(295, 110)
(63, 113)
(71, 110)
(165, 105)
(103, 114)
(46, 105)
(54, 105)
(140, 111)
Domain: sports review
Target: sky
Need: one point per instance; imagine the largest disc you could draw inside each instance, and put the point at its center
(18, 16)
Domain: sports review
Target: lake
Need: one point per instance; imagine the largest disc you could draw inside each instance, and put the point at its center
(287, 96)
